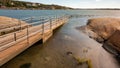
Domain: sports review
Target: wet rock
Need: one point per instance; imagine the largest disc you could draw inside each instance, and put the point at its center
(91, 34)
(85, 50)
(68, 37)
(47, 58)
(114, 40)
(109, 48)
(69, 53)
(26, 65)
(118, 58)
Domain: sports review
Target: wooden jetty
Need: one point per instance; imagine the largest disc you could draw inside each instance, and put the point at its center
(40, 28)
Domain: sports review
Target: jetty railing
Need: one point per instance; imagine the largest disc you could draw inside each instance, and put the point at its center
(36, 25)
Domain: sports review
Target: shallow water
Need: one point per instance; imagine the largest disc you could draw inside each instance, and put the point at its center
(63, 50)
(66, 46)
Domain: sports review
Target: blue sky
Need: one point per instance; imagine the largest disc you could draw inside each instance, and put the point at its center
(82, 3)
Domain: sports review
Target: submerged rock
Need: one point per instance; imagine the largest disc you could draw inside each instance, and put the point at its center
(26, 65)
(69, 53)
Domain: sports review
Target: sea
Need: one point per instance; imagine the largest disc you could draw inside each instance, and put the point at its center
(30, 13)
(66, 39)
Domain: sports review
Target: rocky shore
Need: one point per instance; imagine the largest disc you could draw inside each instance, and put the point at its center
(105, 31)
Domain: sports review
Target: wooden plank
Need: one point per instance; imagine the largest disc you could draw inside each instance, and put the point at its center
(19, 41)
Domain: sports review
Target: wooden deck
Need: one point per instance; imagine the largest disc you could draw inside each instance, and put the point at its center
(14, 43)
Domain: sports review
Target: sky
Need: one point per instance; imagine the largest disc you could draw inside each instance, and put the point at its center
(82, 3)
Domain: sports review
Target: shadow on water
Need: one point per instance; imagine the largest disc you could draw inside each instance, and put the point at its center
(118, 58)
(26, 65)
(24, 60)
(25, 55)
(112, 51)
(57, 29)
(39, 44)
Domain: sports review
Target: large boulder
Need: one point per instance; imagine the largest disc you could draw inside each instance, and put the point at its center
(102, 28)
(105, 30)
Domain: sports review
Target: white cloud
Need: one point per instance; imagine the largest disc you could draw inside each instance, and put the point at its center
(98, 0)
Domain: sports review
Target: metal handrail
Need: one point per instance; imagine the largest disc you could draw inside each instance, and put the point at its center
(20, 25)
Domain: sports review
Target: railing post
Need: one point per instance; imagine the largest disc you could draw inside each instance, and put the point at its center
(42, 27)
(56, 20)
(31, 20)
(64, 19)
(61, 20)
(20, 24)
(50, 24)
(15, 36)
(27, 35)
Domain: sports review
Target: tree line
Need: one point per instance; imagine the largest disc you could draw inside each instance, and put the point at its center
(23, 4)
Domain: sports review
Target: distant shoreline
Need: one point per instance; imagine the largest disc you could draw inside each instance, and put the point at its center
(31, 9)
(99, 9)
(17, 8)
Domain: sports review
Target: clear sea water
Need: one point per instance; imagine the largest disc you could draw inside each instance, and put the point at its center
(29, 13)
(53, 53)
